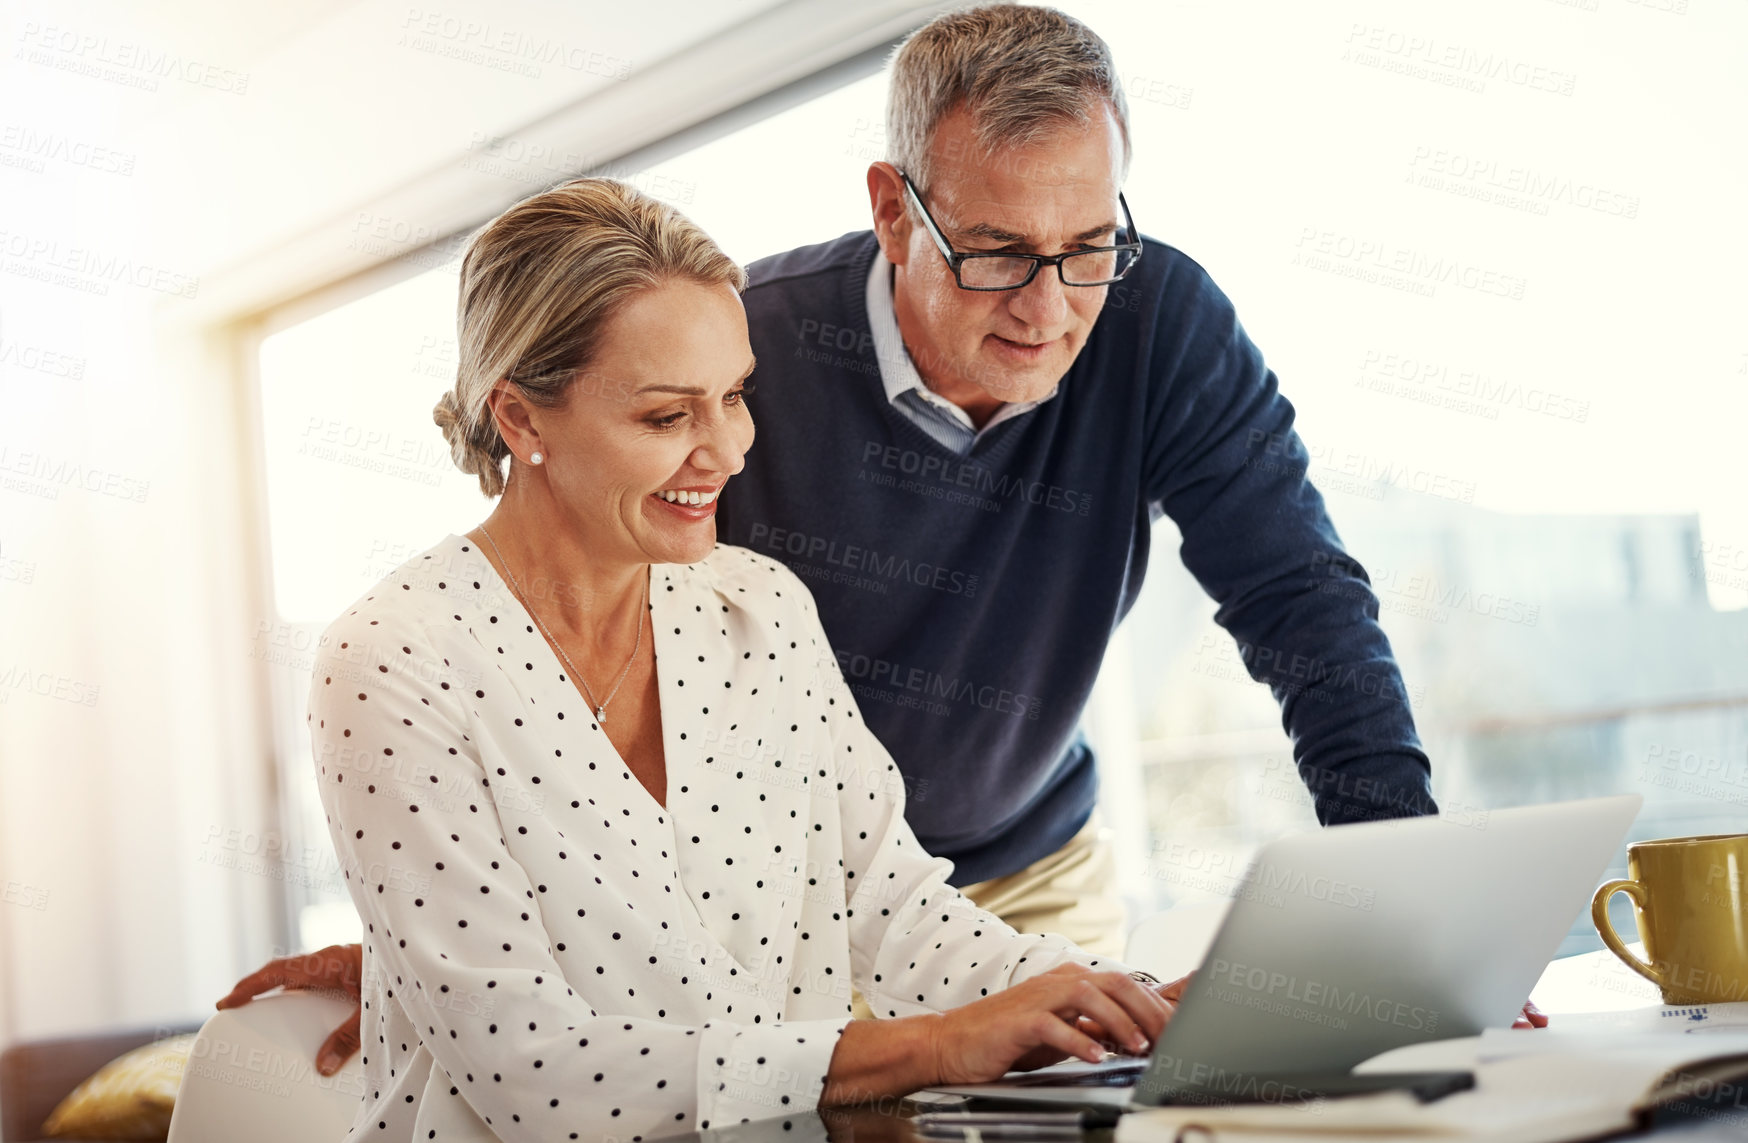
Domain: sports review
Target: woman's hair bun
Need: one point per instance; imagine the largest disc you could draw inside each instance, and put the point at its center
(469, 454)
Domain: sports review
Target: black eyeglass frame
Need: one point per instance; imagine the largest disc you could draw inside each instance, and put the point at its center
(956, 258)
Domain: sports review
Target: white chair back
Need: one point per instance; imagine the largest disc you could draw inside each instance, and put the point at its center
(252, 1075)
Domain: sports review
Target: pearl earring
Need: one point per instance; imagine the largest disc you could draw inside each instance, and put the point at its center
(535, 458)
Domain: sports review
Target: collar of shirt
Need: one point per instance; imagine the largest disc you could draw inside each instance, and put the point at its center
(898, 372)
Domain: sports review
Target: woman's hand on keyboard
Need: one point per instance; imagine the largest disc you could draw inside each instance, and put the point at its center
(1038, 1022)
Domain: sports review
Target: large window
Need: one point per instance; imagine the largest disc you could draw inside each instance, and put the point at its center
(1490, 257)
(1489, 253)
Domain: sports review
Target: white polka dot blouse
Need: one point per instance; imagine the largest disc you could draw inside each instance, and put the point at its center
(551, 954)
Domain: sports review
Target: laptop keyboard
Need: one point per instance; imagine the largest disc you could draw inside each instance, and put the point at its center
(1120, 1075)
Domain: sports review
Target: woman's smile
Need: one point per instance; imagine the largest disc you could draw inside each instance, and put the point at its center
(691, 504)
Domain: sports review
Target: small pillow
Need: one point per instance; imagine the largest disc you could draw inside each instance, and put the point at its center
(130, 1097)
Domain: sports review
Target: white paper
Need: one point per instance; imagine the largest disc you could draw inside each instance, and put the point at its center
(1530, 1086)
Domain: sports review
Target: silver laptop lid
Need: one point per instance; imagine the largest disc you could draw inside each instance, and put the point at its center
(1349, 941)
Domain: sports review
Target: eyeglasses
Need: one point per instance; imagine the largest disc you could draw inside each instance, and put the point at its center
(1098, 266)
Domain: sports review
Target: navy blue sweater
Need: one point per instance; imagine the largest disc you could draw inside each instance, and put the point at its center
(969, 600)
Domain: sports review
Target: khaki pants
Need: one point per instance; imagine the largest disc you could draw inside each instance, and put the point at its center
(1071, 892)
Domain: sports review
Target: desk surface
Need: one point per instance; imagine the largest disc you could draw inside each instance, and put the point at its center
(1692, 1121)
(1591, 982)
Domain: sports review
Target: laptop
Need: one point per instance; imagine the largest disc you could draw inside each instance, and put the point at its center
(1349, 941)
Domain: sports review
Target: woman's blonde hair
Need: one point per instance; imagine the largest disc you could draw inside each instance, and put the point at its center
(538, 287)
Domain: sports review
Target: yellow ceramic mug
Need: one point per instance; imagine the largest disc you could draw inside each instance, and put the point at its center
(1690, 897)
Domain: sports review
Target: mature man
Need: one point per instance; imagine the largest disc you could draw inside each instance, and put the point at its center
(969, 419)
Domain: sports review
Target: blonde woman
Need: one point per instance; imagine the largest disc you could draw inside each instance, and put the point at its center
(618, 835)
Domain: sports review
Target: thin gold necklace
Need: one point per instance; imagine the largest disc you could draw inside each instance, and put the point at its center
(600, 707)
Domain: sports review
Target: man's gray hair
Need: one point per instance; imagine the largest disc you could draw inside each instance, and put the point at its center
(1023, 72)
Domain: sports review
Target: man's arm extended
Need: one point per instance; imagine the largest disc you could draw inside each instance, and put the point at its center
(1224, 462)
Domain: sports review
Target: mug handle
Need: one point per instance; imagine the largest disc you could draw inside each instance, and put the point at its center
(1605, 929)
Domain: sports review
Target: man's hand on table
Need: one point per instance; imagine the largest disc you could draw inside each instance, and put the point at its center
(337, 969)
(1531, 1017)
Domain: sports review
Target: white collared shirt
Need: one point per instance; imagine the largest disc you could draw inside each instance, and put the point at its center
(928, 410)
